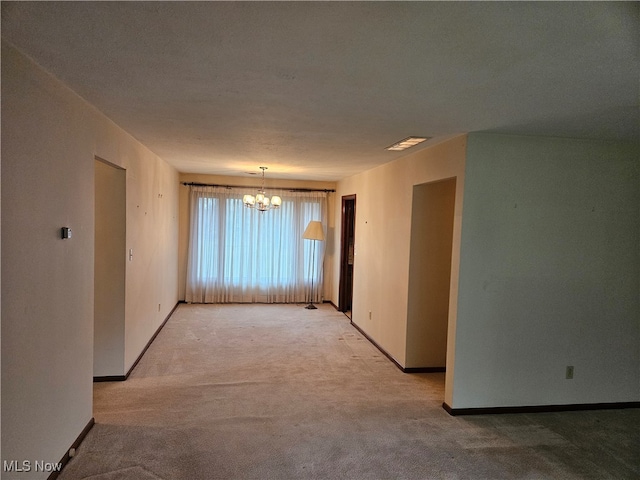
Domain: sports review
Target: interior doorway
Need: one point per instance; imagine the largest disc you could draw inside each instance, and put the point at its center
(432, 219)
(109, 271)
(347, 254)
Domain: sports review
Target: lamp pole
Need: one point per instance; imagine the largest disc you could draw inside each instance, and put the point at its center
(311, 306)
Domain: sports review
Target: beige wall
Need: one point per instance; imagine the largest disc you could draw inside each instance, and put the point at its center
(152, 235)
(269, 182)
(549, 274)
(382, 240)
(50, 138)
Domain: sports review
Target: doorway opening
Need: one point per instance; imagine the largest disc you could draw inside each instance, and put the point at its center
(432, 218)
(109, 271)
(347, 254)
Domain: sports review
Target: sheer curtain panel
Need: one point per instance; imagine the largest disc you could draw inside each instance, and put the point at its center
(240, 255)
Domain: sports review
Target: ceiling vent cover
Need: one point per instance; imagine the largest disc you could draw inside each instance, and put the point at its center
(406, 143)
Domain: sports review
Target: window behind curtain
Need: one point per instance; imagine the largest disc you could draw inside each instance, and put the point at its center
(238, 254)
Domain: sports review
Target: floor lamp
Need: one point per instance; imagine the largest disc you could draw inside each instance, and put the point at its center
(313, 232)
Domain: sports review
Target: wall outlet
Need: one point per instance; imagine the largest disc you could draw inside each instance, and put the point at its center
(158, 307)
(569, 372)
(369, 314)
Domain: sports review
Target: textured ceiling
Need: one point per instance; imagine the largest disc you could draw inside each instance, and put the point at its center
(317, 90)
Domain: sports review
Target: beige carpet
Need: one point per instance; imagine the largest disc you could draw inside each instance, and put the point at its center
(281, 392)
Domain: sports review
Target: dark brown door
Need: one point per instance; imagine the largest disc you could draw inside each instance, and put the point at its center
(347, 252)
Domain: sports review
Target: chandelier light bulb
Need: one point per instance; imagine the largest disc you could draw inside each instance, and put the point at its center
(261, 202)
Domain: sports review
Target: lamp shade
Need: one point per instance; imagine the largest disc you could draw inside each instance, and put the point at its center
(313, 231)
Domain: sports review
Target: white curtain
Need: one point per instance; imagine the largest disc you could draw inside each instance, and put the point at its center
(241, 255)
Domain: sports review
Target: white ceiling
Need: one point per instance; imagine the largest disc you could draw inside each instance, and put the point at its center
(317, 90)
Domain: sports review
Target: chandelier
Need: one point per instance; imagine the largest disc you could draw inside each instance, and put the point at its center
(261, 201)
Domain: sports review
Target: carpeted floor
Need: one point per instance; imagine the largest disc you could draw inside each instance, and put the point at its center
(280, 392)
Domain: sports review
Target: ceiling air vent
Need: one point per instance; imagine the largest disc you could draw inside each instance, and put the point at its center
(406, 143)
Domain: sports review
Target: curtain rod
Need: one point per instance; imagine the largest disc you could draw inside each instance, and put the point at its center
(288, 189)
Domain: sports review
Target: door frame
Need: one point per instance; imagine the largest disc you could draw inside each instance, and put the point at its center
(348, 224)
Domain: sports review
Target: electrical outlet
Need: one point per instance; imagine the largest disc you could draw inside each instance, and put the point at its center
(569, 372)
(158, 307)
(369, 314)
